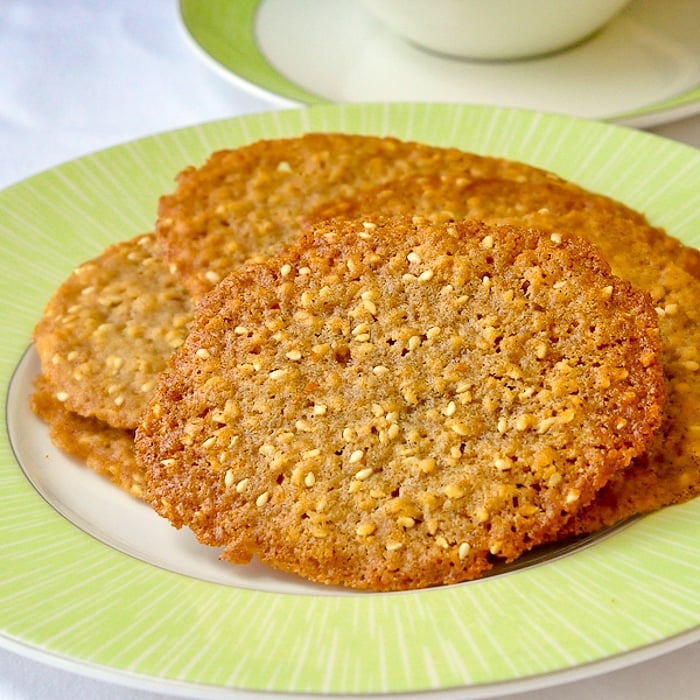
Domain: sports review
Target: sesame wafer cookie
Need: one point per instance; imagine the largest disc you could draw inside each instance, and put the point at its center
(108, 331)
(108, 451)
(669, 472)
(396, 404)
(242, 201)
(624, 235)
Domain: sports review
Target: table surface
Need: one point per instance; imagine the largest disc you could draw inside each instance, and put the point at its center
(79, 75)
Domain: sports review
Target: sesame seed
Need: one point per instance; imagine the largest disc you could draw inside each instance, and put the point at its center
(406, 522)
(482, 515)
(285, 269)
(321, 349)
(356, 456)
(413, 257)
(228, 479)
(380, 370)
(463, 550)
(433, 332)
(573, 495)
(320, 409)
(567, 416)
(293, 355)
(555, 238)
(203, 354)
(364, 474)
(62, 396)
(277, 373)
(502, 464)
(427, 465)
(310, 479)
(240, 330)
(450, 409)
(393, 546)
(454, 491)
(360, 329)
(426, 275)
(523, 422)
(487, 242)
(355, 486)
(113, 362)
(242, 484)
(366, 528)
(262, 499)
(212, 277)
(545, 424)
(413, 342)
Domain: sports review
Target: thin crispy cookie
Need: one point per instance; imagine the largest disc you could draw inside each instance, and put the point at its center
(397, 404)
(624, 235)
(643, 254)
(243, 201)
(109, 329)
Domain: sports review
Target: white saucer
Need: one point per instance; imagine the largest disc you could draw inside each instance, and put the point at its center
(642, 69)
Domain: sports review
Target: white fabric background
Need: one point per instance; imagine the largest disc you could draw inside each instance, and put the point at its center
(79, 75)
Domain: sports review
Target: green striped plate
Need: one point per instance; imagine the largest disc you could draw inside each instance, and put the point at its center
(92, 580)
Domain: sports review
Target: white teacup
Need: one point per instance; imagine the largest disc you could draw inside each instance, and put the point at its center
(494, 29)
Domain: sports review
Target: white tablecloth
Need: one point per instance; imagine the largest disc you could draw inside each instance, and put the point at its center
(79, 75)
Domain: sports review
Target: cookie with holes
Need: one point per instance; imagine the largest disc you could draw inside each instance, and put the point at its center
(396, 404)
(243, 201)
(108, 331)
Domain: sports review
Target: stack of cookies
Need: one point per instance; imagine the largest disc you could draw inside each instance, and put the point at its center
(381, 364)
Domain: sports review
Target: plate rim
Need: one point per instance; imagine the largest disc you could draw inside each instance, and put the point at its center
(204, 26)
(367, 119)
